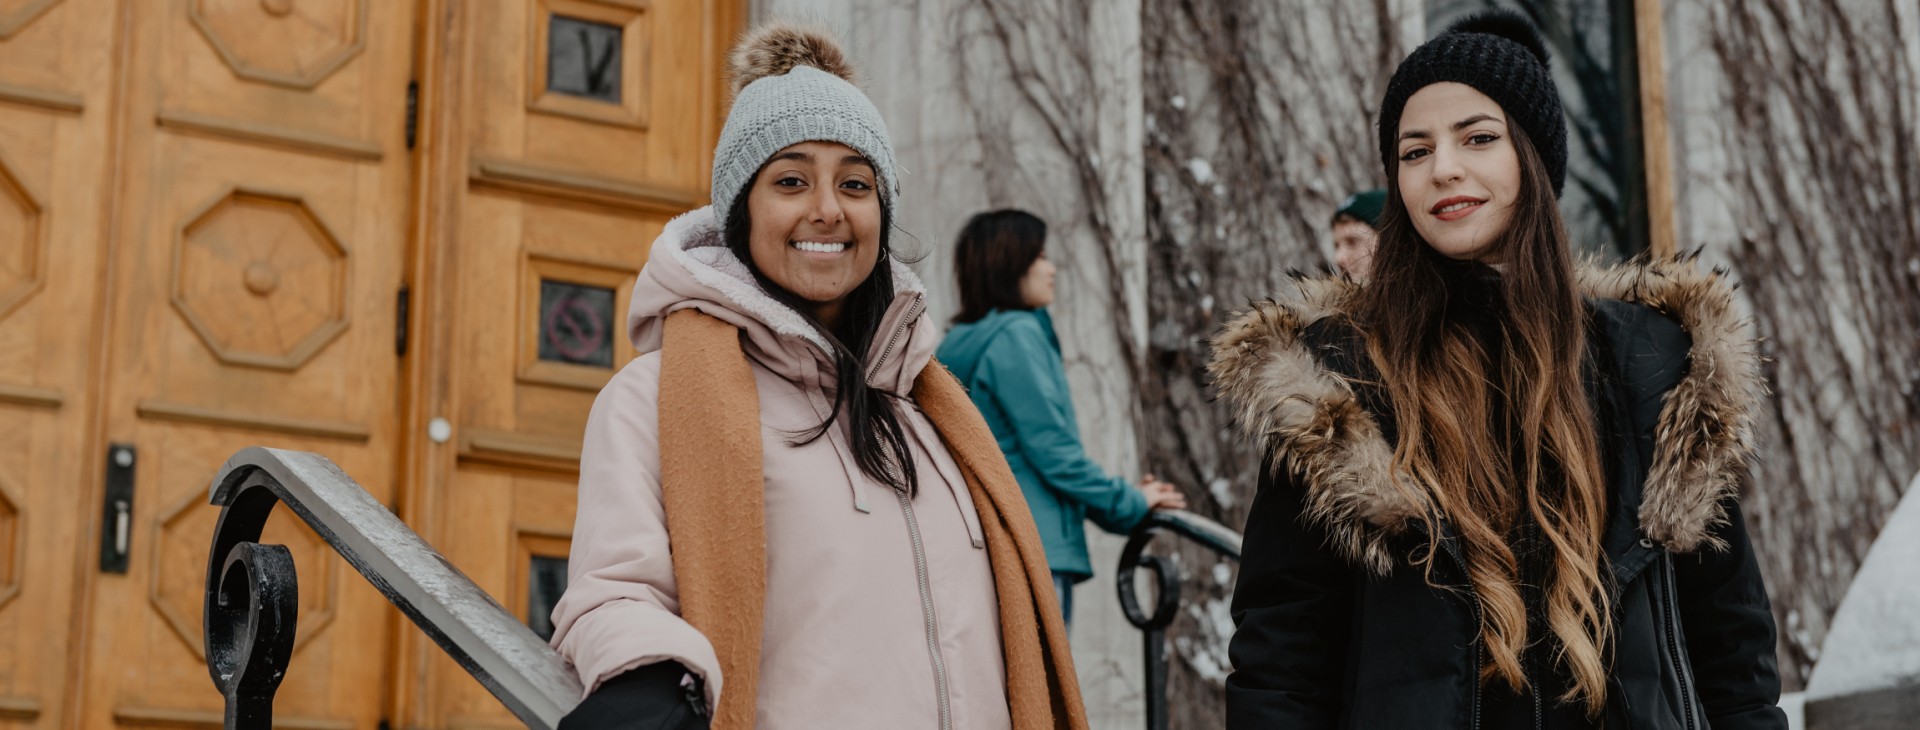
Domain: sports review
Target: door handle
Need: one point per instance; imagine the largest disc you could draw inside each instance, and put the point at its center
(122, 522)
(116, 510)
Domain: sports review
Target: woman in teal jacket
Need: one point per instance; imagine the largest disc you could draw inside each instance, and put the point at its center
(1003, 347)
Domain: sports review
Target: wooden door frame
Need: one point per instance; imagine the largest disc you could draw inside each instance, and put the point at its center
(95, 438)
(444, 58)
(439, 157)
(1650, 50)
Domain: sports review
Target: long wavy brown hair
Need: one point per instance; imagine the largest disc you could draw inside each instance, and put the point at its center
(1483, 371)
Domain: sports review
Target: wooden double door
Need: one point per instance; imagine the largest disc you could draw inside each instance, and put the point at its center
(400, 234)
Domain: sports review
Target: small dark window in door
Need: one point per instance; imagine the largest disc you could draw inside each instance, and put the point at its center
(576, 323)
(583, 58)
(546, 580)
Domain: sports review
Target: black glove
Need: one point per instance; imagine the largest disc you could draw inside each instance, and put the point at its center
(663, 696)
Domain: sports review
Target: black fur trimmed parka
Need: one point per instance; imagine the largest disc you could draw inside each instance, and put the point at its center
(1336, 628)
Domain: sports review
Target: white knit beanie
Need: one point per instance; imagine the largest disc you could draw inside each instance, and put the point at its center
(794, 85)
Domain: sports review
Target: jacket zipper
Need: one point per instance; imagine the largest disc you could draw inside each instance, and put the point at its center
(1533, 688)
(1478, 648)
(1680, 670)
(943, 700)
(893, 340)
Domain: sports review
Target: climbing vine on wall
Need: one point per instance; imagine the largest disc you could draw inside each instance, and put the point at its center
(1821, 138)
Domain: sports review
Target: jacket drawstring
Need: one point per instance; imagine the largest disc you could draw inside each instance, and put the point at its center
(817, 399)
(956, 484)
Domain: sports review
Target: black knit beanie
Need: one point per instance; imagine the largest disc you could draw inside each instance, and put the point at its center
(1500, 54)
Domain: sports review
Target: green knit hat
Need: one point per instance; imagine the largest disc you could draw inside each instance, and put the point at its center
(1364, 206)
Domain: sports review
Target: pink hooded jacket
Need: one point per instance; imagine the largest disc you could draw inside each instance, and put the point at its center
(880, 611)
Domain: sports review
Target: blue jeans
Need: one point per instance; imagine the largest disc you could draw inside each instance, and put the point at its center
(1063, 587)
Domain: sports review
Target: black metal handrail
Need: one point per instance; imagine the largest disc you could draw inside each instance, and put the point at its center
(252, 591)
(1208, 534)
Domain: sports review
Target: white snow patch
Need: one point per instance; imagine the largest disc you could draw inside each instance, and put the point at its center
(1220, 614)
(1204, 664)
(1207, 652)
(1795, 705)
(1222, 574)
(1222, 491)
(1202, 170)
(1874, 643)
(1178, 101)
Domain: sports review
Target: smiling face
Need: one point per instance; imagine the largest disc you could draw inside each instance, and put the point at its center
(1459, 173)
(815, 208)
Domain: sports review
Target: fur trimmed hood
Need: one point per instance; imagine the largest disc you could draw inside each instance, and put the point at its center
(1282, 394)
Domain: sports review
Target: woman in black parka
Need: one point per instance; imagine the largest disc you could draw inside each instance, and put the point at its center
(1500, 488)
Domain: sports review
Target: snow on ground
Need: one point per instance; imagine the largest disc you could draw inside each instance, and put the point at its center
(1875, 639)
(1795, 703)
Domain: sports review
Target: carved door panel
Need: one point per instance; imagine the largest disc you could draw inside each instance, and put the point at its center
(262, 233)
(582, 126)
(54, 104)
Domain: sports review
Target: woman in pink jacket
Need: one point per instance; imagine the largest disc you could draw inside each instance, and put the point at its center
(789, 517)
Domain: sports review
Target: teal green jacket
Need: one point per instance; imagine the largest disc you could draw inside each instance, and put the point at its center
(1010, 363)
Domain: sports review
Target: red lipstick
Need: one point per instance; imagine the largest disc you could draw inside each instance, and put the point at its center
(1472, 204)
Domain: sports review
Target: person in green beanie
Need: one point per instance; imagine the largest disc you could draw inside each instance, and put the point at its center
(1356, 230)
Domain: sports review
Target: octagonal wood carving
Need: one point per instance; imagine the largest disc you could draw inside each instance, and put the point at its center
(17, 14)
(293, 43)
(261, 279)
(178, 591)
(23, 241)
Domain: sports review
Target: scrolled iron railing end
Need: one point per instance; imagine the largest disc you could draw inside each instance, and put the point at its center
(1205, 532)
(252, 590)
(250, 627)
(1202, 531)
(252, 602)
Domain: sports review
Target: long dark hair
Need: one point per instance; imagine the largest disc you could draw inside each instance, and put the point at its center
(1484, 409)
(872, 427)
(994, 253)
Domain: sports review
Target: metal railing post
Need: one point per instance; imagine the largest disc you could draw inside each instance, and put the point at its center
(1207, 533)
(249, 630)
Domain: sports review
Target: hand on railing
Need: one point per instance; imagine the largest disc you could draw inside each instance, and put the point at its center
(1161, 495)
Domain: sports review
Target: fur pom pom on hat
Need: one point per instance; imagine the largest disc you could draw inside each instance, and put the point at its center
(776, 49)
(794, 84)
(1499, 53)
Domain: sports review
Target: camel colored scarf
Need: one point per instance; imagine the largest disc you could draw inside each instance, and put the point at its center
(714, 493)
